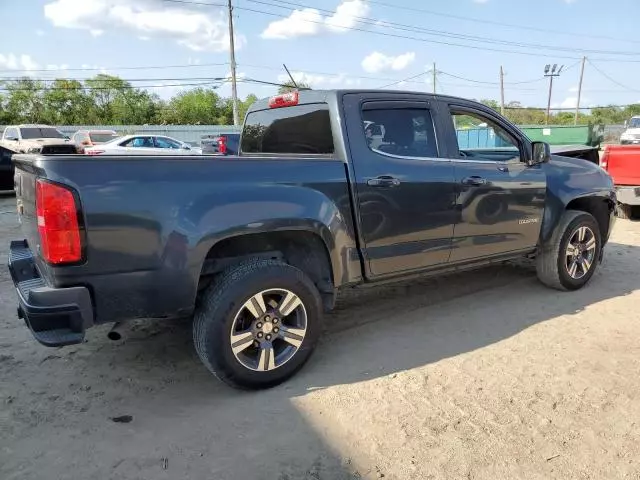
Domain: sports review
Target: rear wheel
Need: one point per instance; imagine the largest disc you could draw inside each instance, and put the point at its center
(569, 259)
(258, 324)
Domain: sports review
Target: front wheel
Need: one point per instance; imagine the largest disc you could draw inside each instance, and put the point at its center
(569, 259)
(258, 324)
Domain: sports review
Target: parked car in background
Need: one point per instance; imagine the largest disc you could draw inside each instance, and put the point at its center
(43, 139)
(257, 247)
(89, 138)
(631, 135)
(622, 162)
(143, 145)
(227, 144)
(6, 170)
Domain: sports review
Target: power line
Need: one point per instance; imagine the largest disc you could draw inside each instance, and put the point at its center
(95, 69)
(404, 80)
(611, 79)
(440, 33)
(501, 24)
(435, 41)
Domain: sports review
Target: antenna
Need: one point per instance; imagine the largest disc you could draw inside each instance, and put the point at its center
(290, 76)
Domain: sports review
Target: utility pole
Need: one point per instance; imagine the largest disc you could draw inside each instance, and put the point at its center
(551, 72)
(434, 77)
(575, 120)
(501, 91)
(232, 54)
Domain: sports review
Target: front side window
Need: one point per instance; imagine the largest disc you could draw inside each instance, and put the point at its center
(11, 133)
(162, 142)
(405, 132)
(138, 142)
(480, 138)
(300, 129)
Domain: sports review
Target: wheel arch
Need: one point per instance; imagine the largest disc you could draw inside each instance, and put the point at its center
(307, 246)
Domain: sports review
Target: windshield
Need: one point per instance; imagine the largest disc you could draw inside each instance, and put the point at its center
(102, 137)
(634, 123)
(29, 133)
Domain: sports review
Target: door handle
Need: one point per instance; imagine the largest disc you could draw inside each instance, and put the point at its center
(383, 181)
(474, 180)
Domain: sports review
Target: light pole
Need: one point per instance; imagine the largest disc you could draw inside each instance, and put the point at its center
(551, 72)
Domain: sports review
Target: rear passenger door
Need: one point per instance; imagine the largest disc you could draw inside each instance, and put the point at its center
(404, 188)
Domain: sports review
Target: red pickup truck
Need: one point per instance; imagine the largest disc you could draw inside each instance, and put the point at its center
(622, 162)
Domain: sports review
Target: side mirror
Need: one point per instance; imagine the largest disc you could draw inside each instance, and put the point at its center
(626, 124)
(541, 153)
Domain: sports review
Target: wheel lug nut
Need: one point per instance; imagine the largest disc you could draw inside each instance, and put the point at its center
(268, 337)
(259, 325)
(259, 334)
(267, 318)
(275, 320)
(275, 330)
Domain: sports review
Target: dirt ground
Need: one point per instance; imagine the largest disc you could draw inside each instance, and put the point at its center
(486, 375)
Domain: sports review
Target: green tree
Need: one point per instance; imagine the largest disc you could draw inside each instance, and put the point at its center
(193, 107)
(24, 101)
(66, 103)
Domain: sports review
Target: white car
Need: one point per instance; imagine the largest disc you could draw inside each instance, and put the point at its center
(143, 145)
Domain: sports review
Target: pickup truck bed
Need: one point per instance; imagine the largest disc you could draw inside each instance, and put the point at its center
(331, 190)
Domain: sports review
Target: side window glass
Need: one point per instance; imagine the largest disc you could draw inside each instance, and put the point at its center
(479, 138)
(139, 142)
(404, 132)
(166, 143)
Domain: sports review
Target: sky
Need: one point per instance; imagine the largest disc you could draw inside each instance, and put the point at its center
(335, 44)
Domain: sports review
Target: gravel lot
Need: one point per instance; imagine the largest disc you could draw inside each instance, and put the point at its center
(483, 375)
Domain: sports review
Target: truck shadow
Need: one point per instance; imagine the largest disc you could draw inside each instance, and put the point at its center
(209, 430)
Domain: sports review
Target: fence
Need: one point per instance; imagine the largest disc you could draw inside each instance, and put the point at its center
(185, 133)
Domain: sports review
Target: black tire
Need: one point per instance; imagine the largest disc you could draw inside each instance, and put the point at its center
(221, 302)
(551, 258)
(624, 211)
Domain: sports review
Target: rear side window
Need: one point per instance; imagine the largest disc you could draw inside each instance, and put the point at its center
(403, 132)
(301, 129)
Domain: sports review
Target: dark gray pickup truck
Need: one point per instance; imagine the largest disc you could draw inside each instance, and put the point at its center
(331, 189)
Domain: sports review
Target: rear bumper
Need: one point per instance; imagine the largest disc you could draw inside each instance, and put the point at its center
(55, 316)
(628, 195)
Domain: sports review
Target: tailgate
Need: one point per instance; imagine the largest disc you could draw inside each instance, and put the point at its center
(622, 162)
(25, 188)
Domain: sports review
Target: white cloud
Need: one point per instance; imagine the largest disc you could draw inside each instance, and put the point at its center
(317, 80)
(13, 62)
(347, 15)
(309, 21)
(378, 62)
(300, 23)
(54, 68)
(571, 102)
(195, 28)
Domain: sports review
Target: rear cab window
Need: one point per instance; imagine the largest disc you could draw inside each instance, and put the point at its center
(297, 129)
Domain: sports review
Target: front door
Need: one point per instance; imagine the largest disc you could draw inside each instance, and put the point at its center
(499, 197)
(404, 189)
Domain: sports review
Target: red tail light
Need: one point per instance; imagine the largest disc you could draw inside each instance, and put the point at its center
(222, 145)
(93, 152)
(285, 100)
(57, 216)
